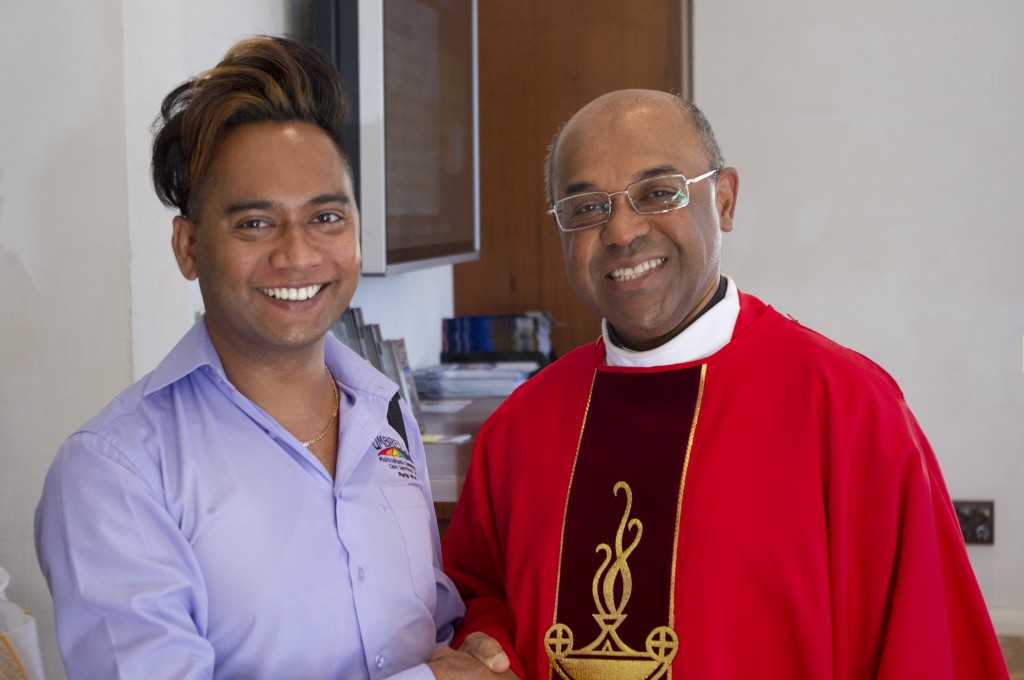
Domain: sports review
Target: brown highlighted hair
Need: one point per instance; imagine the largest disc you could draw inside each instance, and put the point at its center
(262, 78)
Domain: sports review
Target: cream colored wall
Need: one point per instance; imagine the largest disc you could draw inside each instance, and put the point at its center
(879, 147)
(91, 297)
(65, 334)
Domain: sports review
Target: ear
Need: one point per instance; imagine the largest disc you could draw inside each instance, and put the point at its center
(183, 242)
(726, 189)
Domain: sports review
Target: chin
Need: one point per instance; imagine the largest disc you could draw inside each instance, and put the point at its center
(644, 333)
(296, 336)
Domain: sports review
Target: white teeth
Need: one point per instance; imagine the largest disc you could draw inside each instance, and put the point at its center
(630, 273)
(303, 293)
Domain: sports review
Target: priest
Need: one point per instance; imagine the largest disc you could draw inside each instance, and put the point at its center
(709, 489)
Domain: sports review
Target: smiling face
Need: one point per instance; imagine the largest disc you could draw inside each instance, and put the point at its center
(648, 275)
(275, 243)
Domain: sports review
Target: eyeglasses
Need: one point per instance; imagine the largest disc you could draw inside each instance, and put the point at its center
(650, 196)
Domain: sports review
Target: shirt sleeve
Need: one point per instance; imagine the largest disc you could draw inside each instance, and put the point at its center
(128, 595)
(420, 672)
(449, 608)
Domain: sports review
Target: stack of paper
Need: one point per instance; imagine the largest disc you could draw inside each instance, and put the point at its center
(497, 379)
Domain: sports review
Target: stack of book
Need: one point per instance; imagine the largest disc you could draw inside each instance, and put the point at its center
(496, 337)
(478, 379)
(387, 356)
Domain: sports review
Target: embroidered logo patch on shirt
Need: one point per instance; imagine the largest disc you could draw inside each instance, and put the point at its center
(392, 453)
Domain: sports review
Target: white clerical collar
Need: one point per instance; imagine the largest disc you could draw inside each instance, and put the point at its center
(705, 336)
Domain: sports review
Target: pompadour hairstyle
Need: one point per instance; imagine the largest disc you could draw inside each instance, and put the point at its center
(262, 78)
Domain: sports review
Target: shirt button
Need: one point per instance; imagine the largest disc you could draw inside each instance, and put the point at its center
(360, 574)
(379, 661)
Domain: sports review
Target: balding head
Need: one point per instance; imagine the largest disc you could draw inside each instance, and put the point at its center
(631, 103)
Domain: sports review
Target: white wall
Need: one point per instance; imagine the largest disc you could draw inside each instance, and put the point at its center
(879, 148)
(65, 334)
(91, 295)
(410, 306)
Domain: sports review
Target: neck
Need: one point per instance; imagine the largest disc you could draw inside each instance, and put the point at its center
(262, 373)
(289, 385)
(714, 295)
(268, 383)
(293, 388)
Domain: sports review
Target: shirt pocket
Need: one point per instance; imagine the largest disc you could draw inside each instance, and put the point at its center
(413, 516)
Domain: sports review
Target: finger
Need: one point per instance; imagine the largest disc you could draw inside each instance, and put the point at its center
(486, 650)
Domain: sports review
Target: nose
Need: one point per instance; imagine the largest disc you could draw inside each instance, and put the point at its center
(295, 248)
(624, 224)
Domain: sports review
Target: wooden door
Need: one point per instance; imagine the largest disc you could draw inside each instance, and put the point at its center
(540, 61)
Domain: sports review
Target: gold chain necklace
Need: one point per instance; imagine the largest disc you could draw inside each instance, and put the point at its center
(337, 405)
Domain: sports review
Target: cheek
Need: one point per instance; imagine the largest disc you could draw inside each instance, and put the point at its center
(698, 241)
(350, 253)
(716, 246)
(575, 270)
(578, 249)
(712, 241)
(207, 262)
(230, 263)
(357, 241)
(567, 257)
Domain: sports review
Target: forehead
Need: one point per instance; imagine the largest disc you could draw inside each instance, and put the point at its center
(608, 146)
(286, 157)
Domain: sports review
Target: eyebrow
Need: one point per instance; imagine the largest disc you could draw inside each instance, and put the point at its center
(259, 204)
(647, 173)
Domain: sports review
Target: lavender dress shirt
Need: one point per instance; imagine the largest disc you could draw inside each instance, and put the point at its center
(185, 534)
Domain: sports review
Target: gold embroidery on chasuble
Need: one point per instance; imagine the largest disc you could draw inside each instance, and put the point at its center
(614, 602)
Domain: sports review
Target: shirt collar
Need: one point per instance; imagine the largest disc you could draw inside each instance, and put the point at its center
(195, 351)
(705, 336)
(354, 371)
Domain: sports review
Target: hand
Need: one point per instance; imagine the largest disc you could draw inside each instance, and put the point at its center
(486, 650)
(480, 656)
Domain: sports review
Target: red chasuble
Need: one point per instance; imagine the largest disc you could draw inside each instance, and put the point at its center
(773, 511)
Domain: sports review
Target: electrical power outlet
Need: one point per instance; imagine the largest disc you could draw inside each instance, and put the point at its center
(977, 521)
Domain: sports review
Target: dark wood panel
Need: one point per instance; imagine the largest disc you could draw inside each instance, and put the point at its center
(539, 62)
(444, 511)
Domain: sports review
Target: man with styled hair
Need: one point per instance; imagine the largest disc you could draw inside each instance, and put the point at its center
(233, 514)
